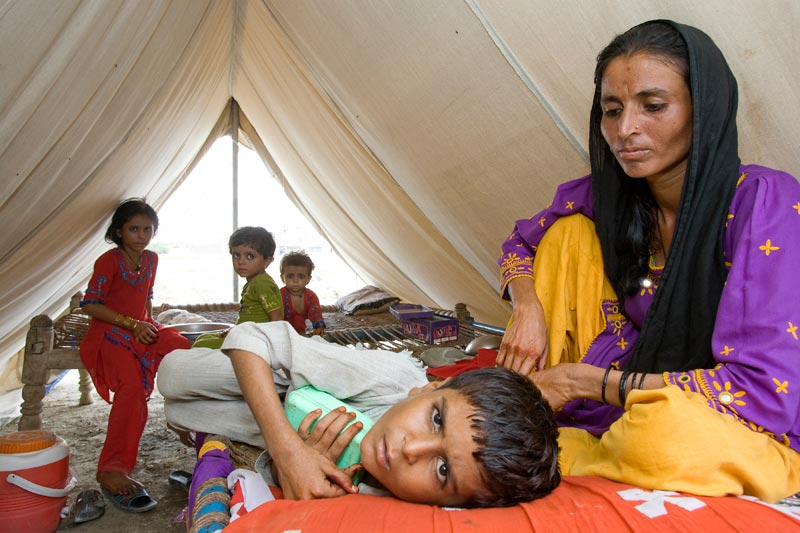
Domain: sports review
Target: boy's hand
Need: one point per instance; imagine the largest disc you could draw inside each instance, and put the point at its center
(307, 474)
(326, 437)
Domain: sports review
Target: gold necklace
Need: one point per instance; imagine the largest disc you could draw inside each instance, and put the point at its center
(137, 265)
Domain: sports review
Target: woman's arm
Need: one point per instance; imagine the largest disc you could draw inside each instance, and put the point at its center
(524, 345)
(756, 341)
(565, 382)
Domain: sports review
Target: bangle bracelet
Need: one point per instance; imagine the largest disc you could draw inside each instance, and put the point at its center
(623, 382)
(641, 381)
(605, 382)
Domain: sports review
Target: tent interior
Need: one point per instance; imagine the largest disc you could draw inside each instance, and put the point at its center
(412, 133)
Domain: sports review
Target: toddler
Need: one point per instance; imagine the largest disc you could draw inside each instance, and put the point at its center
(300, 303)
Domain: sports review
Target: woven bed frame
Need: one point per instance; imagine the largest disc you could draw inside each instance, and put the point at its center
(53, 344)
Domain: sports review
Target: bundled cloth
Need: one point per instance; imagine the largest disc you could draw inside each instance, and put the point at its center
(365, 301)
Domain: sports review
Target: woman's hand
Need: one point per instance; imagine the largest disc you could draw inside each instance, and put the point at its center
(557, 384)
(144, 332)
(524, 345)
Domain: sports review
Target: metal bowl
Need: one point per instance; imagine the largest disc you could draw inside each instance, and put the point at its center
(486, 341)
(194, 329)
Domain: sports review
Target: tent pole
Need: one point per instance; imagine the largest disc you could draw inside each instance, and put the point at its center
(235, 180)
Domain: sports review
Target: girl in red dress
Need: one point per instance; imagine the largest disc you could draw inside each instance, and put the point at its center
(124, 346)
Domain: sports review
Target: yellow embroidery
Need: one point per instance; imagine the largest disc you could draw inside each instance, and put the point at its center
(541, 222)
(622, 344)
(512, 262)
(741, 179)
(797, 206)
(730, 217)
(726, 351)
(726, 397)
(570, 205)
(767, 248)
(617, 319)
(793, 330)
(783, 386)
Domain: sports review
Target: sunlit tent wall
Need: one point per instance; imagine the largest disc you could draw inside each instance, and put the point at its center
(412, 133)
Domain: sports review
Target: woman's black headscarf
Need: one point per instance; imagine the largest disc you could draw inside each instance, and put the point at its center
(676, 334)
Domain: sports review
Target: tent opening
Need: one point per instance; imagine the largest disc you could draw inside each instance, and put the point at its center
(196, 222)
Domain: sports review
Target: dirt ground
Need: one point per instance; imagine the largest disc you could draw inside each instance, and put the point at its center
(160, 452)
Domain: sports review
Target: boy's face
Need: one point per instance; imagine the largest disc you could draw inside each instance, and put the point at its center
(295, 278)
(421, 450)
(247, 262)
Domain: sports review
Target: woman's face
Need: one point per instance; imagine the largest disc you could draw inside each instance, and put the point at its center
(647, 116)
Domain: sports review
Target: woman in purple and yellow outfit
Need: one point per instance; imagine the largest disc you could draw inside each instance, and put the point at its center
(691, 380)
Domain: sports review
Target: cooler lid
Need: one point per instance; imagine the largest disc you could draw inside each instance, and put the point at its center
(27, 441)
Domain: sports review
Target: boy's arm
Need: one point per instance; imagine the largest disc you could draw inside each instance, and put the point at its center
(305, 473)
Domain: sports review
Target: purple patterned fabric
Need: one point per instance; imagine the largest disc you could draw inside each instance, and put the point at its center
(755, 344)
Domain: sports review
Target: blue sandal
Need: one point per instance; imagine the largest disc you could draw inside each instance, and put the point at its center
(138, 502)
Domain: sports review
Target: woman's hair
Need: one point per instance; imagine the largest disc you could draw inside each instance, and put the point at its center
(299, 258)
(639, 211)
(516, 435)
(125, 211)
(257, 237)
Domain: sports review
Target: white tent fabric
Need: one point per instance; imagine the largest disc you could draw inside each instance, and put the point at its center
(412, 133)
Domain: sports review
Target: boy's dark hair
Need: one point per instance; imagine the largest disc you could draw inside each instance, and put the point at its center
(255, 236)
(124, 212)
(299, 258)
(516, 433)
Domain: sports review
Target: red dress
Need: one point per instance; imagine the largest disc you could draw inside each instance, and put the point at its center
(312, 311)
(116, 361)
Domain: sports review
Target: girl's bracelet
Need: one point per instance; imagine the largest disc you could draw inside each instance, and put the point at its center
(129, 323)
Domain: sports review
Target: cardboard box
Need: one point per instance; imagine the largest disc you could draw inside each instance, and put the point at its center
(433, 329)
(406, 311)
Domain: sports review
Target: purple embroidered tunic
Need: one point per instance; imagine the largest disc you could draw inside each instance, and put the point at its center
(756, 345)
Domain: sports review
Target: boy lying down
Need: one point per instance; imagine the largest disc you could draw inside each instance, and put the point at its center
(486, 438)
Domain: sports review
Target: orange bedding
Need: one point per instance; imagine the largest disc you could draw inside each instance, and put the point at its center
(578, 504)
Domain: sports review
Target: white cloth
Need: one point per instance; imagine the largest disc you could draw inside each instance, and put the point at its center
(201, 392)
(253, 492)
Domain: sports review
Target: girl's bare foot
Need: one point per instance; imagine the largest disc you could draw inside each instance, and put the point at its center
(118, 482)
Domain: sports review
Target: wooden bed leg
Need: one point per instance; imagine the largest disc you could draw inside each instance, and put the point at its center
(34, 371)
(85, 386)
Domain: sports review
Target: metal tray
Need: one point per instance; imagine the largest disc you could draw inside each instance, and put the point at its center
(194, 329)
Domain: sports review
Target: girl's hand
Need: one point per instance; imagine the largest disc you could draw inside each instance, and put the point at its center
(144, 332)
